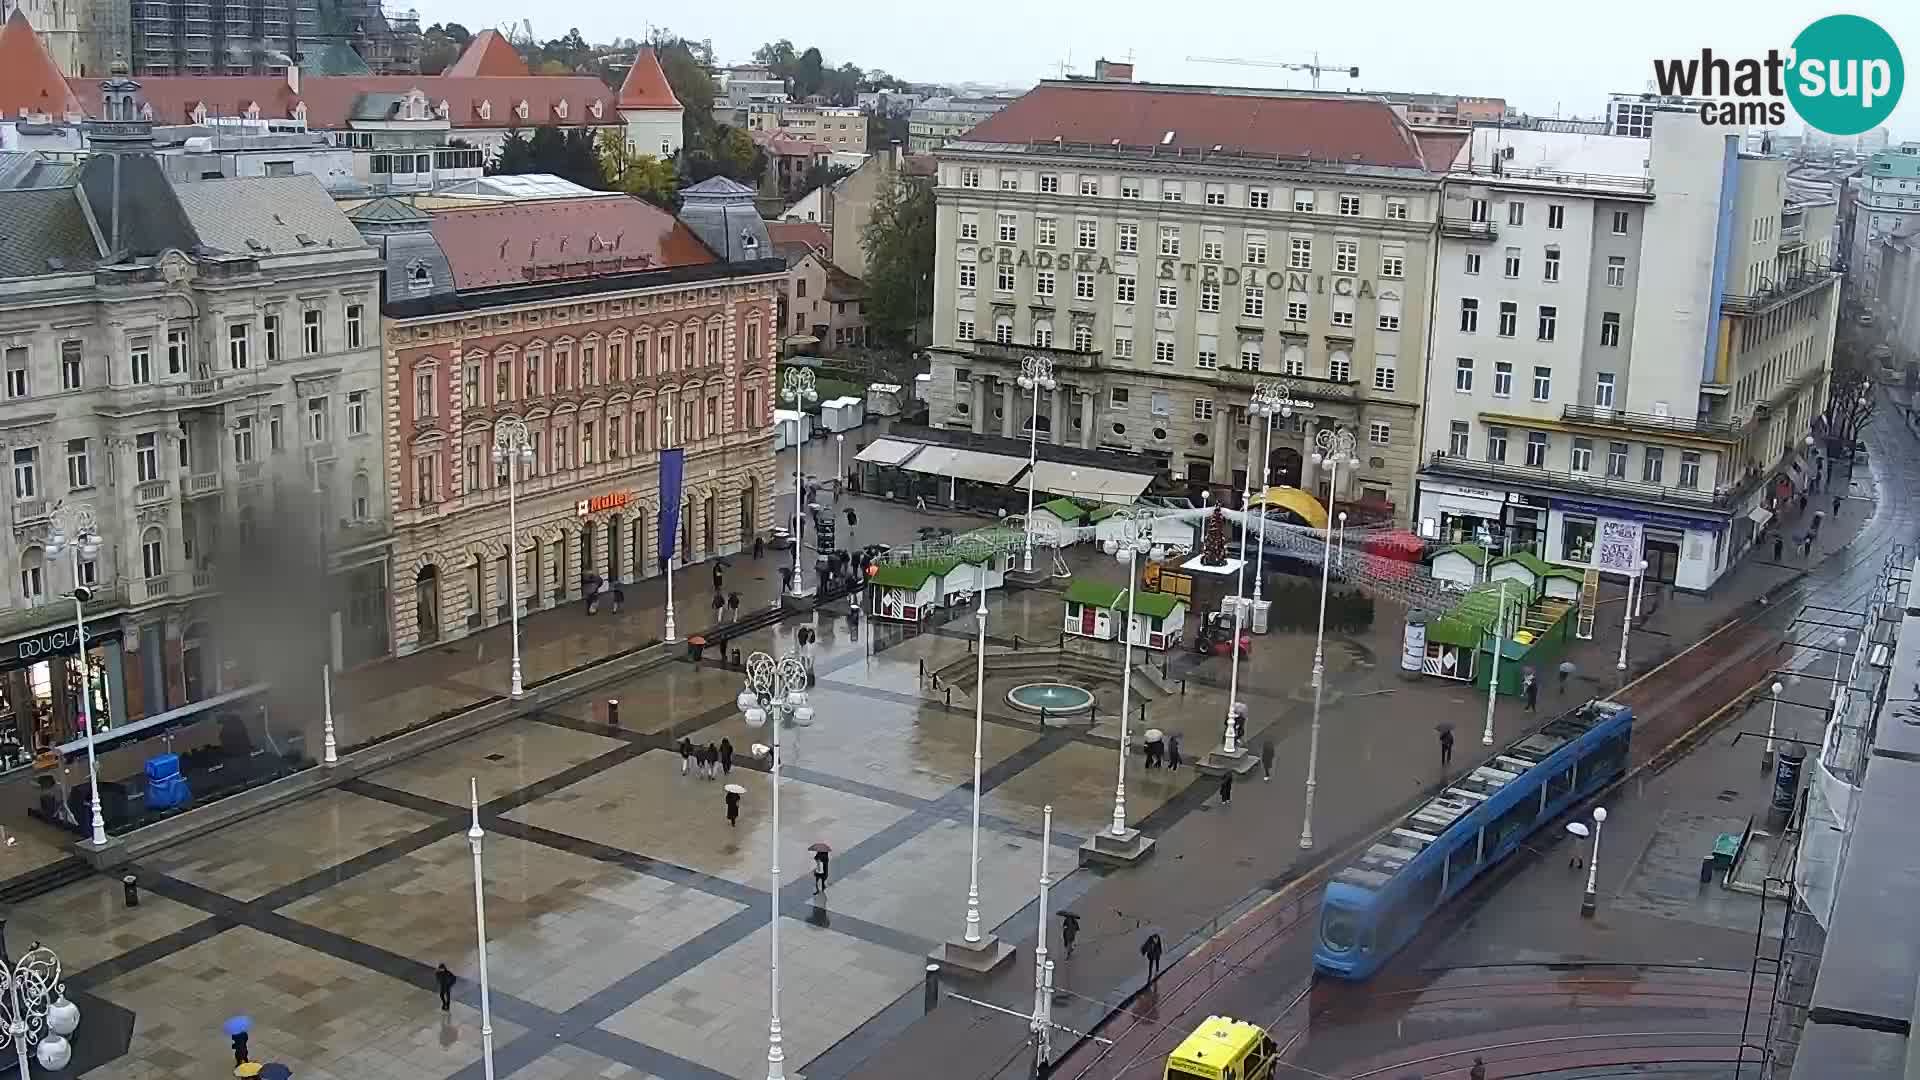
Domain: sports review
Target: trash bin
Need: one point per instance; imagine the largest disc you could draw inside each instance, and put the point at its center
(132, 886)
(1706, 870)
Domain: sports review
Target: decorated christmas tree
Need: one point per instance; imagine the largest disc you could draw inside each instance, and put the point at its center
(1213, 542)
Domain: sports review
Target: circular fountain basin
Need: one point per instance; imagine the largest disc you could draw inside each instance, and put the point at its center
(1050, 697)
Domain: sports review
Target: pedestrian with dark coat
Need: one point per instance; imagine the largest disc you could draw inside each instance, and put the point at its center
(1479, 1070)
(1778, 543)
(713, 762)
(1837, 499)
(1226, 789)
(1150, 949)
(1069, 930)
(1266, 759)
(240, 1049)
(444, 980)
(686, 754)
(705, 757)
(733, 607)
(717, 579)
(1446, 748)
(1530, 690)
(719, 602)
(1240, 727)
(819, 872)
(733, 809)
(1173, 751)
(726, 756)
(759, 546)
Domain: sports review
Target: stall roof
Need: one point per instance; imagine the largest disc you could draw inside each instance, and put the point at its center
(965, 465)
(888, 451)
(1087, 481)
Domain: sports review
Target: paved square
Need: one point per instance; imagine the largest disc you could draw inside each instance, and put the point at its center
(560, 927)
(716, 1014)
(504, 759)
(325, 1018)
(258, 855)
(573, 1063)
(1078, 780)
(921, 887)
(655, 701)
(88, 922)
(645, 805)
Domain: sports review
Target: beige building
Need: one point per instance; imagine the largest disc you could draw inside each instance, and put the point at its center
(1170, 248)
(938, 121)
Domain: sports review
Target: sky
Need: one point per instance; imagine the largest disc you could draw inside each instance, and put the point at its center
(1541, 58)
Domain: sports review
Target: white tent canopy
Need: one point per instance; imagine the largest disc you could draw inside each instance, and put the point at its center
(1087, 482)
(889, 451)
(961, 464)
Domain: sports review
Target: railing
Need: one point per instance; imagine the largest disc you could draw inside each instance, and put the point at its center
(202, 579)
(1443, 462)
(1013, 354)
(1307, 387)
(25, 510)
(1459, 228)
(1631, 185)
(59, 610)
(1636, 421)
(1793, 288)
(208, 387)
(203, 484)
(152, 491)
(161, 585)
(321, 452)
(249, 472)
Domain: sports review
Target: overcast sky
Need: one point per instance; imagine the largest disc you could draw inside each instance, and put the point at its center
(1539, 57)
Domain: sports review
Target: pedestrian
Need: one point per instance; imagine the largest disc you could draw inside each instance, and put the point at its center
(819, 872)
(705, 763)
(444, 980)
(786, 579)
(1069, 930)
(726, 756)
(1173, 751)
(1150, 949)
(719, 602)
(733, 809)
(1818, 516)
(1836, 504)
(717, 577)
(1226, 789)
(733, 607)
(1806, 546)
(619, 596)
(1566, 672)
(1151, 748)
(1803, 502)
(759, 547)
(1530, 690)
(240, 1049)
(920, 503)
(590, 592)
(1779, 541)
(686, 754)
(1479, 1070)
(713, 762)
(1239, 726)
(1446, 748)
(1266, 759)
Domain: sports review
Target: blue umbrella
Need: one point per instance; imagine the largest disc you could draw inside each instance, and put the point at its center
(238, 1025)
(276, 1071)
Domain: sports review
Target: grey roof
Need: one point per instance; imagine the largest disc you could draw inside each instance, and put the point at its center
(266, 214)
(27, 169)
(722, 214)
(387, 210)
(42, 230)
(716, 187)
(375, 105)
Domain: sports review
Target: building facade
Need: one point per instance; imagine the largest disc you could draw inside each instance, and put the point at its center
(1886, 201)
(1631, 343)
(1169, 256)
(1448, 110)
(938, 121)
(185, 372)
(613, 331)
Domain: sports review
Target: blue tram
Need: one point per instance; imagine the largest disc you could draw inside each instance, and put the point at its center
(1374, 906)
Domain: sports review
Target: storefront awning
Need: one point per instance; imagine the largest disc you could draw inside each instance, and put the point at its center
(889, 451)
(1083, 481)
(961, 464)
(1760, 516)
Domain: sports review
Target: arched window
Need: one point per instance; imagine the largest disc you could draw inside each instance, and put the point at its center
(33, 575)
(153, 552)
(1003, 329)
(362, 496)
(1043, 333)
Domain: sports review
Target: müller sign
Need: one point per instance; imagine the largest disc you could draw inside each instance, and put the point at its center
(1172, 270)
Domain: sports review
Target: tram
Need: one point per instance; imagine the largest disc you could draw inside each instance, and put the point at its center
(1374, 905)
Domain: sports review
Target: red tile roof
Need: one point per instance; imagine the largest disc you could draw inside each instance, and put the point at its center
(490, 246)
(29, 79)
(810, 233)
(329, 99)
(1441, 147)
(646, 85)
(1347, 129)
(488, 53)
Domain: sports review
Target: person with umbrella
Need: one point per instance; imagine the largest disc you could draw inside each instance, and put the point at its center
(734, 791)
(443, 978)
(1566, 672)
(1069, 930)
(236, 1029)
(1152, 746)
(1446, 744)
(820, 857)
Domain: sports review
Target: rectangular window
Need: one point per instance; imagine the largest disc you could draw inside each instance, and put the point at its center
(79, 464)
(1049, 184)
(1457, 438)
(1556, 216)
(1516, 213)
(1477, 211)
(317, 427)
(1129, 187)
(963, 331)
(1509, 318)
(1169, 239)
(310, 331)
(1469, 315)
(1124, 288)
(1257, 249)
(1617, 271)
(243, 440)
(1299, 309)
(1496, 444)
(1652, 463)
(1002, 282)
(1213, 245)
(1002, 333)
(356, 318)
(1302, 200)
(1385, 372)
(1123, 348)
(1043, 283)
(17, 370)
(1342, 311)
(1610, 329)
(72, 375)
(146, 457)
(1209, 296)
(140, 361)
(1502, 379)
(1511, 267)
(270, 326)
(1216, 195)
(969, 227)
(1203, 408)
(1127, 238)
(1295, 361)
(26, 472)
(1396, 209)
(1167, 295)
(1582, 459)
(1300, 253)
(1620, 219)
(276, 433)
(1536, 450)
(1250, 356)
(178, 352)
(1379, 433)
(1346, 257)
(1463, 375)
(1160, 403)
(1090, 186)
(1473, 262)
(969, 275)
(237, 346)
(1393, 266)
(1349, 206)
(1389, 318)
(1046, 231)
(1340, 367)
(1552, 268)
(357, 412)
(1173, 191)
(1542, 383)
(1253, 302)
(1603, 389)
(1009, 181)
(1083, 287)
(1689, 469)
(1009, 228)
(1259, 198)
(1549, 317)
(1117, 398)
(1616, 461)
(1086, 233)
(1163, 352)
(970, 178)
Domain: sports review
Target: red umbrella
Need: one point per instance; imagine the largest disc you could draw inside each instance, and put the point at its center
(819, 845)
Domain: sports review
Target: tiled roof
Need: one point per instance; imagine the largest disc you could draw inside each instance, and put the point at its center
(646, 85)
(266, 214)
(330, 101)
(492, 246)
(810, 233)
(29, 79)
(1169, 119)
(488, 53)
(844, 286)
(45, 232)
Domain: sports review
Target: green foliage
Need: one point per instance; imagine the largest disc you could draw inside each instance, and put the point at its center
(899, 243)
(651, 178)
(1296, 606)
(729, 152)
(441, 45)
(568, 153)
(819, 176)
(806, 73)
(685, 64)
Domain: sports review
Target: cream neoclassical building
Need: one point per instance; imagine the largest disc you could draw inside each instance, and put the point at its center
(1171, 247)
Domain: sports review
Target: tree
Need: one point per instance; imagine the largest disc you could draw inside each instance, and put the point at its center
(687, 73)
(899, 243)
(820, 175)
(567, 153)
(778, 56)
(1850, 404)
(516, 155)
(441, 45)
(728, 152)
(651, 178)
(1213, 540)
(809, 73)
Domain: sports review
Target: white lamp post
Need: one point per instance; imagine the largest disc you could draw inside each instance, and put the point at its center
(1587, 902)
(474, 838)
(74, 534)
(513, 450)
(972, 935)
(1493, 675)
(1773, 714)
(1043, 967)
(1135, 538)
(1627, 613)
(839, 467)
(37, 1012)
(1270, 399)
(1334, 445)
(1036, 374)
(797, 390)
(776, 691)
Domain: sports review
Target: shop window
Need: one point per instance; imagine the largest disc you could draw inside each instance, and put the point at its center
(1576, 540)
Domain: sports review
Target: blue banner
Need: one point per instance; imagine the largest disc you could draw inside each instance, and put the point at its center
(672, 464)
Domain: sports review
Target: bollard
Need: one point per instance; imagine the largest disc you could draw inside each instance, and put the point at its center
(1183, 687)
(923, 669)
(132, 886)
(737, 663)
(613, 712)
(1043, 716)
(933, 987)
(949, 692)
(1143, 711)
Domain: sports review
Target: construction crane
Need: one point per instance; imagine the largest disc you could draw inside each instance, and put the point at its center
(1316, 68)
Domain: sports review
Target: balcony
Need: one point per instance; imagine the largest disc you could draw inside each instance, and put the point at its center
(1502, 173)
(159, 586)
(26, 510)
(321, 452)
(152, 491)
(1459, 228)
(1301, 387)
(1063, 359)
(1813, 277)
(1622, 420)
(201, 484)
(1445, 464)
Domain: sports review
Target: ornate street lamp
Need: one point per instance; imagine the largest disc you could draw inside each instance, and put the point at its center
(776, 691)
(1036, 374)
(74, 534)
(1333, 446)
(513, 450)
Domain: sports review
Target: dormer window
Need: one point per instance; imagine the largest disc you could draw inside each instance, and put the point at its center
(442, 110)
(596, 108)
(560, 108)
(521, 110)
(300, 113)
(253, 110)
(416, 108)
(486, 110)
(419, 279)
(146, 111)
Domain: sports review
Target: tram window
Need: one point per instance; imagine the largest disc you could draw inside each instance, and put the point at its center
(1515, 822)
(1607, 759)
(1461, 861)
(1560, 784)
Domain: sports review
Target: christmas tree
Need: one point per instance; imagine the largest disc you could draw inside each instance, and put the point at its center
(1213, 542)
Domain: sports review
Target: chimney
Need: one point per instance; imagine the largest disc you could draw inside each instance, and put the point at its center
(293, 76)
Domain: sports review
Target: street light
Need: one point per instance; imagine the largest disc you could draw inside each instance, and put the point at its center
(1766, 756)
(1626, 616)
(1036, 374)
(839, 468)
(474, 838)
(74, 534)
(1493, 674)
(1135, 538)
(1334, 446)
(798, 390)
(512, 448)
(776, 690)
(972, 935)
(37, 1011)
(1270, 399)
(1593, 863)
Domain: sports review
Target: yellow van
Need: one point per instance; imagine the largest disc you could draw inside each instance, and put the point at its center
(1223, 1048)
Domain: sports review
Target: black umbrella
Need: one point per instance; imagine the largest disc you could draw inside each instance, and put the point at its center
(1443, 726)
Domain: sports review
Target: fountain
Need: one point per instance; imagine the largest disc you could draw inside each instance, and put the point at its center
(1052, 698)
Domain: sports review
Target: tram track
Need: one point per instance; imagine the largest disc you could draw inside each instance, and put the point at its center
(1548, 1056)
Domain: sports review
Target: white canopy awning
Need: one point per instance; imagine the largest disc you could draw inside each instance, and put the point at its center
(1083, 481)
(966, 465)
(889, 451)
